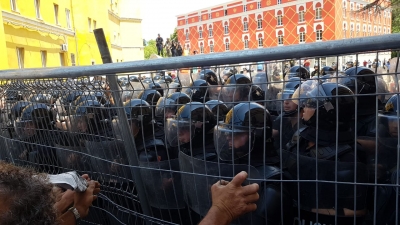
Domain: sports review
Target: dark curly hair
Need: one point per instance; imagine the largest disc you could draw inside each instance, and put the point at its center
(26, 197)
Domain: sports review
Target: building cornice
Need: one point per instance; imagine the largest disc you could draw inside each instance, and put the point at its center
(116, 46)
(34, 24)
(124, 19)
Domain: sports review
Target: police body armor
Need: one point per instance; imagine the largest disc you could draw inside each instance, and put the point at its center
(160, 174)
(200, 175)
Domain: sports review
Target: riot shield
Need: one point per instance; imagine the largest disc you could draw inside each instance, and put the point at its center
(108, 160)
(163, 184)
(200, 175)
(319, 184)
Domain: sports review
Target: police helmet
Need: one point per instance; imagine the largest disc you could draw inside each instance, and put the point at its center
(157, 86)
(198, 91)
(298, 71)
(41, 98)
(168, 79)
(168, 106)
(16, 109)
(151, 96)
(190, 122)
(35, 118)
(237, 88)
(209, 76)
(327, 70)
(219, 109)
(246, 127)
(138, 110)
(331, 100)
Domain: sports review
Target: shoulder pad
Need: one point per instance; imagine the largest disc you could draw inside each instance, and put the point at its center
(328, 152)
(268, 172)
(295, 138)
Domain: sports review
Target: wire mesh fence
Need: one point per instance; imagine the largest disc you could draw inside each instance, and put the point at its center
(316, 126)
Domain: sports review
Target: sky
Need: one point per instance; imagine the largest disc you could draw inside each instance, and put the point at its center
(159, 16)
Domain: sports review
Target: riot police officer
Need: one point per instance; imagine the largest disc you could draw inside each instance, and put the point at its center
(327, 144)
(236, 89)
(168, 106)
(297, 71)
(218, 108)
(198, 91)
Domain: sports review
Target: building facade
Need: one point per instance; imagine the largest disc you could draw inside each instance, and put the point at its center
(251, 24)
(51, 33)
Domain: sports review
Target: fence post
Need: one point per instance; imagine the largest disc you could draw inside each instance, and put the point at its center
(129, 142)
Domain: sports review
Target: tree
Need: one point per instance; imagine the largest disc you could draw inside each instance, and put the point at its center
(174, 36)
(378, 6)
(150, 49)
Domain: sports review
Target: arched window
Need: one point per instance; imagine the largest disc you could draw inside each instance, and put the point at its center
(319, 33)
(260, 40)
(200, 33)
(259, 22)
(280, 37)
(301, 14)
(201, 48)
(210, 30)
(318, 11)
(279, 18)
(245, 24)
(226, 44)
(226, 28)
(246, 42)
(211, 46)
(302, 35)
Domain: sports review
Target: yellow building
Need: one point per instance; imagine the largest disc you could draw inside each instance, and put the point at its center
(51, 33)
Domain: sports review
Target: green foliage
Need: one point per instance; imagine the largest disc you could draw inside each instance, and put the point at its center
(174, 36)
(396, 20)
(150, 49)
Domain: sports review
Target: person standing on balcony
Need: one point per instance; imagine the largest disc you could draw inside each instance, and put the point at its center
(159, 44)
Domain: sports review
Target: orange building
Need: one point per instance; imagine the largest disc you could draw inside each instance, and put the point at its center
(250, 24)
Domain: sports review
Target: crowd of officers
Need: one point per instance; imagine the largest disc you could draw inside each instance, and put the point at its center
(324, 129)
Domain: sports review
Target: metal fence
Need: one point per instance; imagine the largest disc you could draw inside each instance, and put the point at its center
(323, 148)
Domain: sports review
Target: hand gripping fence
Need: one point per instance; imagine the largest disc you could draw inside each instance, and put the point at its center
(315, 125)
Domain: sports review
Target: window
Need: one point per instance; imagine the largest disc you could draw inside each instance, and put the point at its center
(258, 5)
(245, 8)
(319, 35)
(279, 20)
(246, 42)
(20, 57)
(364, 16)
(226, 12)
(201, 48)
(73, 59)
(90, 24)
(200, 33)
(301, 16)
(186, 21)
(62, 59)
(210, 31)
(226, 44)
(187, 35)
(259, 22)
(279, 2)
(209, 16)
(318, 13)
(302, 35)
(245, 25)
(56, 13)
(67, 13)
(37, 8)
(13, 5)
(280, 40)
(226, 28)
(94, 24)
(260, 41)
(43, 55)
(199, 18)
(211, 47)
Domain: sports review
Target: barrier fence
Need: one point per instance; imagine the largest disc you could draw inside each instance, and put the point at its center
(323, 147)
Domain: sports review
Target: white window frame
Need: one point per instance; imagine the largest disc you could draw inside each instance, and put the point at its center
(280, 39)
(21, 57)
(279, 20)
(62, 59)
(259, 23)
(301, 16)
(226, 29)
(90, 24)
(73, 59)
(302, 37)
(209, 16)
(37, 9)
(199, 18)
(187, 36)
(13, 5)
(259, 5)
(279, 2)
(318, 13)
(186, 21)
(212, 47)
(260, 41)
(201, 49)
(56, 13)
(244, 8)
(245, 26)
(68, 18)
(210, 32)
(43, 56)
(200, 34)
(319, 34)
(246, 43)
(227, 46)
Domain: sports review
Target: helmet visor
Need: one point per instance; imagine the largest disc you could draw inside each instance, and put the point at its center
(179, 132)
(165, 108)
(232, 143)
(24, 129)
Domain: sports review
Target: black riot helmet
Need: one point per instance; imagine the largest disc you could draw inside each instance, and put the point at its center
(83, 98)
(246, 128)
(209, 76)
(139, 111)
(327, 70)
(298, 71)
(362, 81)
(198, 91)
(42, 98)
(219, 109)
(16, 109)
(90, 117)
(157, 86)
(35, 119)
(257, 94)
(168, 106)
(237, 88)
(191, 121)
(151, 96)
(168, 79)
(331, 100)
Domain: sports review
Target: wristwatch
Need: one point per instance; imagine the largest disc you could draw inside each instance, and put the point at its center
(76, 213)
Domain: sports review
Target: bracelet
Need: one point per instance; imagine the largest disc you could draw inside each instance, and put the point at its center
(76, 213)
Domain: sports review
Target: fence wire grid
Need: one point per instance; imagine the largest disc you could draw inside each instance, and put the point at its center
(312, 124)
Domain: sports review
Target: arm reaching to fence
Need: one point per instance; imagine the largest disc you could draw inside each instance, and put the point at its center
(230, 200)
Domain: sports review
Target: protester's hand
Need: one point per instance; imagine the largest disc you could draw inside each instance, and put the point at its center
(232, 199)
(83, 200)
